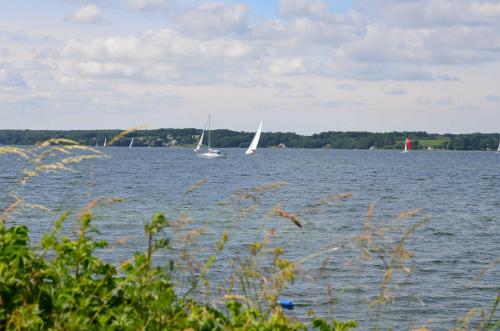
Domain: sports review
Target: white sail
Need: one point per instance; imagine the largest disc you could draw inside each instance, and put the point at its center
(131, 142)
(406, 148)
(104, 145)
(197, 149)
(253, 145)
(498, 149)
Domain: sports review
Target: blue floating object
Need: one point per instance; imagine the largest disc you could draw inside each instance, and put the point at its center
(286, 304)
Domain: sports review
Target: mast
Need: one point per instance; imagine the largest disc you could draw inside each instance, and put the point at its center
(209, 132)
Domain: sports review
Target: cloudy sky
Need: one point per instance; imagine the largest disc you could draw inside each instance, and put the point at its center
(298, 65)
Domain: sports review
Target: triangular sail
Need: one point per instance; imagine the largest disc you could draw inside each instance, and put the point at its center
(197, 149)
(131, 142)
(104, 145)
(200, 142)
(498, 149)
(253, 145)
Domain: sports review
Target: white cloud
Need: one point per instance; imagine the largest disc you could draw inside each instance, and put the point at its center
(147, 4)
(87, 14)
(296, 93)
(283, 86)
(340, 103)
(467, 108)
(164, 56)
(333, 30)
(394, 89)
(11, 78)
(214, 19)
(449, 78)
(163, 46)
(346, 87)
(302, 8)
(383, 44)
(115, 48)
(432, 13)
(382, 71)
(105, 70)
(442, 101)
(290, 66)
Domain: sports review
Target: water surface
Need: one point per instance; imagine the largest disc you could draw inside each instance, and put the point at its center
(457, 191)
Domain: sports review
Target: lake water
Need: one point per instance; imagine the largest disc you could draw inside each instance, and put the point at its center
(453, 268)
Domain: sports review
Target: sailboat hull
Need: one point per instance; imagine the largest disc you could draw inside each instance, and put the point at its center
(250, 152)
(210, 155)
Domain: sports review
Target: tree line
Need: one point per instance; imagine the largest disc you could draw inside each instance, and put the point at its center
(228, 138)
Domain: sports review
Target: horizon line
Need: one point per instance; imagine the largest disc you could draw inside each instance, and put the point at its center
(301, 134)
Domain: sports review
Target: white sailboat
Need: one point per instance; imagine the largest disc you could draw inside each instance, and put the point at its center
(211, 153)
(253, 145)
(131, 142)
(104, 145)
(498, 149)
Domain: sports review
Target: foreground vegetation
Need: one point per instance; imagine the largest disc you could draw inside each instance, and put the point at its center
(228, 138)
(62, 283)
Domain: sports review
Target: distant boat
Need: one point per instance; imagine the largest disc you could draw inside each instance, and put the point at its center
(211, 153)
(281, 145)
(407, 145)
(372, 148)
(498, 149)
(253, 145)
(104, 145)
(131, 142)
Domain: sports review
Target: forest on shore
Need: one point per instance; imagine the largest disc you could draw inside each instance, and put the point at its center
(228, 138)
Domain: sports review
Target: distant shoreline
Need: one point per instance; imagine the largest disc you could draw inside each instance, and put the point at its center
(224, 138)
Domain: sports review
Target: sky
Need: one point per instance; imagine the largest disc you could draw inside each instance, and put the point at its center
(302, 66)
